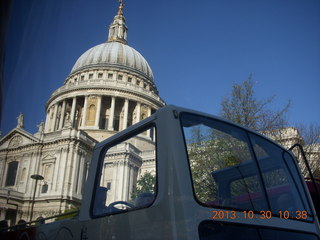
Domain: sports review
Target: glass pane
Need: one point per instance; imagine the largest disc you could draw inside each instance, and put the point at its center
(280, 185)
(127, 175)
(222, 166)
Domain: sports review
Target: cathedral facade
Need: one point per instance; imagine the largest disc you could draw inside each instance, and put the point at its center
(110, 87)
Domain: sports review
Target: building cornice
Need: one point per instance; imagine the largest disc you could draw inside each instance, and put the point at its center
(49, 142)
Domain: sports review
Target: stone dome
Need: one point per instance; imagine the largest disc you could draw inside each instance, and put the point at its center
(114, 54)
(110, 88)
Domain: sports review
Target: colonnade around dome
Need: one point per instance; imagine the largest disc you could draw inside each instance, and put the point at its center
(96, 112)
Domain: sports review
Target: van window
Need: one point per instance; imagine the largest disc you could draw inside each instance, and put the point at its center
(222, 165)
(278, 171)
(232, 168)
(127, 175)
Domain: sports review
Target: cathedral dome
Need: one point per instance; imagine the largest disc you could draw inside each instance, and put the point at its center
(110, 88)
(115, 54)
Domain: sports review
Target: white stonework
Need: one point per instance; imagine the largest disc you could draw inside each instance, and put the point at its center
(110, 88)
(313, 155)
(54, 156)
(290, 136)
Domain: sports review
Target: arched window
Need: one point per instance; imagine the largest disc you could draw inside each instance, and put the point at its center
(12, 173)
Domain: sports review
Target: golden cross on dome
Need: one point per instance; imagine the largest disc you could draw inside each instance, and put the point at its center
(120, 11)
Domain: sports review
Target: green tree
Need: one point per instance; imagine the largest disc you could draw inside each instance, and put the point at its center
(211, 150)
(244, 108)
(146, 183)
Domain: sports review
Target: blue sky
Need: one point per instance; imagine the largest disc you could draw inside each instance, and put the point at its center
(196, 49)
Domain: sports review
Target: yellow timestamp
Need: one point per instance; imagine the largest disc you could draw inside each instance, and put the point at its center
(226, 214)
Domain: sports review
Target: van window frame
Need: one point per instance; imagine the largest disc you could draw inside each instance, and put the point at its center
(103, 153)
(293, 171)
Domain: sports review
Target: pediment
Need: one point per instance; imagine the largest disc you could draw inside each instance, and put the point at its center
(49, 158)
(17, 138)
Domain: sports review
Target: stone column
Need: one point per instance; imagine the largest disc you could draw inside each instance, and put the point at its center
(103, 175)
(71, 167)
(125, 186)
(73, 110)
(76, 173)
(84, 111)
(138, 112)
(84, 175)
(149, 114)
(2, 215)
(131, 172)
(62, 114)
(54, 117)
(149, 111)
(47, 120)
(111, 117)
(113, 194)
(120, 179)
(56, 176)
(125, 114)
(97, 120)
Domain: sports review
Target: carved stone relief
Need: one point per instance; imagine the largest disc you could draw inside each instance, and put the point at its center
(15, 141)
(91, 110)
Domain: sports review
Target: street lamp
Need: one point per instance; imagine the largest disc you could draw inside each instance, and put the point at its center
(35, 177)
